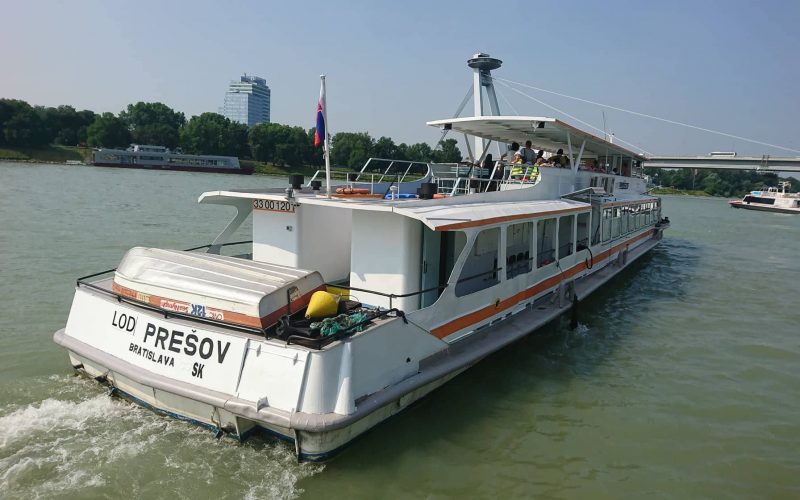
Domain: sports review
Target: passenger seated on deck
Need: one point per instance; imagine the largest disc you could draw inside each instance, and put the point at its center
(494, 170)
(508, 156)
(517, 169)
(560, 160)
(540, 158)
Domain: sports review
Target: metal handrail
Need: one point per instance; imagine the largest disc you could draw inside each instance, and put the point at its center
(81, 281)
(390, 296)
(382, 174)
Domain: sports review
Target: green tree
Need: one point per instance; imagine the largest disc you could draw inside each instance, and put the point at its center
(314, 155)
(108, 131)
(448, 152)
(386, 148)
(351, 149)
(420, 152)
(213, 134)
(153, 123)
(65, 125)
(262, 142)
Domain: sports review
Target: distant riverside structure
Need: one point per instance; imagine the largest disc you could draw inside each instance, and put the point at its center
(247, 101)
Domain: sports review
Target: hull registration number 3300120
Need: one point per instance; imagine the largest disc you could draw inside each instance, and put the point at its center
(274, 205)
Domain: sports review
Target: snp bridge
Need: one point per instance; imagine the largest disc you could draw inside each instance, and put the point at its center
(764, 163)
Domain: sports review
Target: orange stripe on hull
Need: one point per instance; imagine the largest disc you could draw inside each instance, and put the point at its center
(228, 316)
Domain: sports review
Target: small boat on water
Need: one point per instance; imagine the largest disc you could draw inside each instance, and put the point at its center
(345, 309)
(162, 158)
(771, 199)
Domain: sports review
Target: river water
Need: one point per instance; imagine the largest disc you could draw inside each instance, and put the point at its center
(681, 380)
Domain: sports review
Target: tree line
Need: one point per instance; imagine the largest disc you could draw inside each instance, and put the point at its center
(23, 125)
(717, 182)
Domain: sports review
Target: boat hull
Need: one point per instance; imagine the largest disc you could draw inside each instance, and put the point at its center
(318, 437)
(216, 170)
(310, 445)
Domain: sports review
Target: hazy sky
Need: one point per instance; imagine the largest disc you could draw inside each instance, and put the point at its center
(392, 66)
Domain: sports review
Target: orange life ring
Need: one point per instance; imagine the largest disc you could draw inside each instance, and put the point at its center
(349, 190)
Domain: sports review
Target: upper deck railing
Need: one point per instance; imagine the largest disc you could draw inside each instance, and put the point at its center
(379, 173)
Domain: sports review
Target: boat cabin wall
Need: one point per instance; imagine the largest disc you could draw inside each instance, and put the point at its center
(555, 182)
(312, 237)
(385, 257)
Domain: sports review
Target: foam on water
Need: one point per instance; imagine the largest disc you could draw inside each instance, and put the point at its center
(92, 444)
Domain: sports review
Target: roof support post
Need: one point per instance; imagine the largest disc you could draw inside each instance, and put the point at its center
(577, 162)
(469, 149)
(569, 149)
(477, 101)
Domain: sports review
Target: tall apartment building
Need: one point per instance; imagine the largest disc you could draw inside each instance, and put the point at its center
(247, 101)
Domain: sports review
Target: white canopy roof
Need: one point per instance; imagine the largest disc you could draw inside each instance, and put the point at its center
(466, 215)
(546, 133)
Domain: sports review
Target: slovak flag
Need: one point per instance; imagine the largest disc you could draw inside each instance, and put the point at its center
(319, 134)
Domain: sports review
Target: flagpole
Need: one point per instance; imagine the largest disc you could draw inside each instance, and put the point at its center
(326, 144)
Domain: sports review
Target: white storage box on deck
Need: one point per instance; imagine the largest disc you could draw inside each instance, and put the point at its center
(214, 286)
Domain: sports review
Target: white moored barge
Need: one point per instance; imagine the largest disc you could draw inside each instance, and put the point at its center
(162, 158)
(429, 285)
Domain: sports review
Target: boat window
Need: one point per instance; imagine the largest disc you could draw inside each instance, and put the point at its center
(625, 220)
(758, 199)
(596, 211)
(615, 222)
(519, 239)
(606, 224)
(440, 249)
(480, 269)
(566, 234)
(546, 241)
(639, 216)
(582, 238)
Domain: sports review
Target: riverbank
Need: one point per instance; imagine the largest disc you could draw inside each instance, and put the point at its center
(48, 154)
(681, 192)
(62, 154)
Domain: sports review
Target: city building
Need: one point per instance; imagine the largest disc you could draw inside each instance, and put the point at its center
(247, 101)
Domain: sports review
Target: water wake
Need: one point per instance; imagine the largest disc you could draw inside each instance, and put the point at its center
(80, 442)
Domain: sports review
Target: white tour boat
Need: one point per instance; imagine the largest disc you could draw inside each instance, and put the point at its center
(772, 199)
(429, 285)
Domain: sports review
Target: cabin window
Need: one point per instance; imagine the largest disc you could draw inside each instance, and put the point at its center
(596, 211)
(643, 214)
(615, 222)
(440, 249)
(625, 220)
(566, 232)
(480, 269)
(519, 241)
(546, 241)
(606, 224)
(608, 185)
(582, 238)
